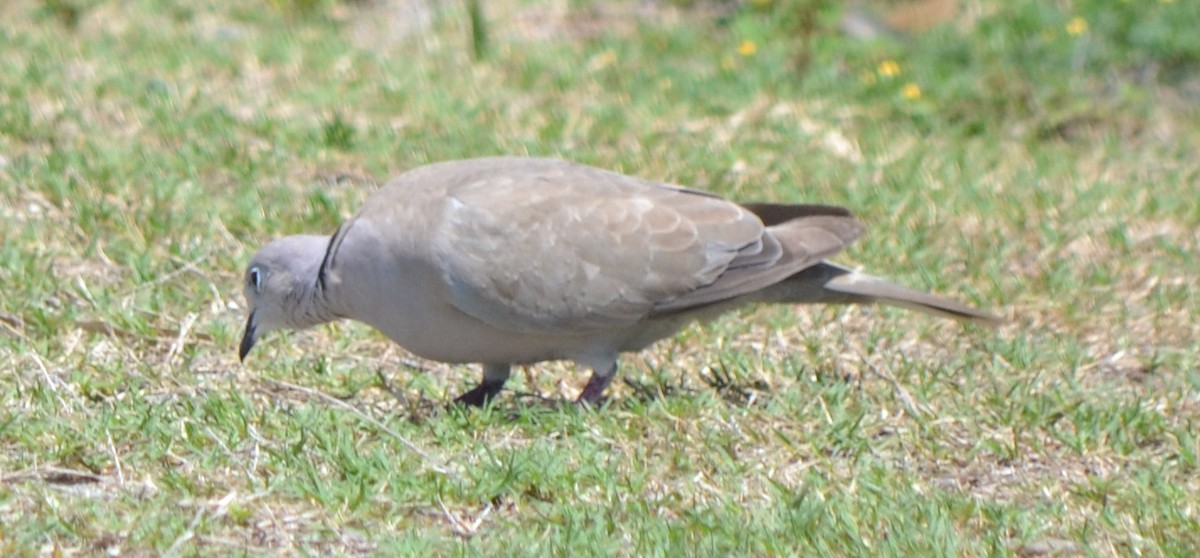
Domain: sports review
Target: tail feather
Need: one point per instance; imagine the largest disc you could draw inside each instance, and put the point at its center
(833, 284)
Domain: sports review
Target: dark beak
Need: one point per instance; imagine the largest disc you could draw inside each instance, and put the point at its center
(248, 338)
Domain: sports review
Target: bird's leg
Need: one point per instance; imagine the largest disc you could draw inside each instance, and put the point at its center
(494, 376)
(596, 385)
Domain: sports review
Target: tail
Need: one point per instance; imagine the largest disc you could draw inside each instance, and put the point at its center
(827, 283)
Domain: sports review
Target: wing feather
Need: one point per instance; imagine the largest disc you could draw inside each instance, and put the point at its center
(549, 246)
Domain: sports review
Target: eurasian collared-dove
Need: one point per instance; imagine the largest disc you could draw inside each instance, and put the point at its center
(504, 261)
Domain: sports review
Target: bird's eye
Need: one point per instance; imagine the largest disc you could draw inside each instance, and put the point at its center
(254, 278)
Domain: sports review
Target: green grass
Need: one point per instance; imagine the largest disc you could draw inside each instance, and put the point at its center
(147, 148)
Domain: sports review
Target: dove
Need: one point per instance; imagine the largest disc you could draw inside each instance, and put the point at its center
(507, 261)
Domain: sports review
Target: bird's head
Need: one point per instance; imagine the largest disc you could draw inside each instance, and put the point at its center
(279, 285)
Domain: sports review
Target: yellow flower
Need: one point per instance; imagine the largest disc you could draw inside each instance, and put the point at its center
(889, 68)
(911, 91)
(747, 48)
(1077, 26)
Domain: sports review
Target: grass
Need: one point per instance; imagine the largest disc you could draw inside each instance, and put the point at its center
(1013, 158)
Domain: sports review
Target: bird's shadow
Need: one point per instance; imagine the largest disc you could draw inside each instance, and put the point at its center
(509, 403)
(730, 386)
(735, 388)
